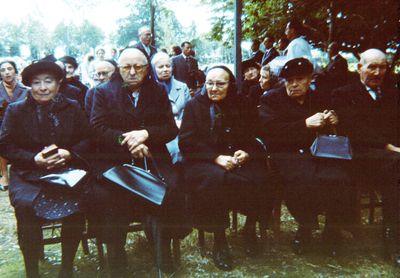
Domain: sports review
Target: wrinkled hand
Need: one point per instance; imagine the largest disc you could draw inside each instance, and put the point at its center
(134, 138)
(227, 162)
(57, 160)
(140, 151)
(331, 117)
(316, 121)
(392, 148)
(241, 157)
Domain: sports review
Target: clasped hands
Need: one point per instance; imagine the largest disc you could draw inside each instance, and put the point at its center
(319, 120)
(134, 140)
(56, 160)
(231, 162)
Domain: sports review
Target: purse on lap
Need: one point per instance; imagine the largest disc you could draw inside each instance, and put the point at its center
(332, 146)
(140, 182)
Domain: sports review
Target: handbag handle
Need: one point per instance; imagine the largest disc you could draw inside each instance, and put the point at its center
(333, 129)
(153, 162)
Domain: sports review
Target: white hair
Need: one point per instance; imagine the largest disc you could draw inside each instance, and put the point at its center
(143, 29)
(159, 56)
(371, 53)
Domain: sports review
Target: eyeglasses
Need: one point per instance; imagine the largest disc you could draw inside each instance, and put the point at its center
(137, 68)
(218, 84)
(103, 73)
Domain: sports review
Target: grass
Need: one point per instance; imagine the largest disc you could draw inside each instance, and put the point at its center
(362, 257)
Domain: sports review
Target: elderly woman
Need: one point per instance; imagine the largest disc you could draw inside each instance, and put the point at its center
(222, 168)
(10, 91)
(178, 95)
(44, 118)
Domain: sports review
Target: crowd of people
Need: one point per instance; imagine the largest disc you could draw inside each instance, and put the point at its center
(215, 145)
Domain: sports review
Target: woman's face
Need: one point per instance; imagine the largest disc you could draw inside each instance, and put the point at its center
(163, 69)
(44, 87)
(7, 73)
(251, 74)
(217, 83)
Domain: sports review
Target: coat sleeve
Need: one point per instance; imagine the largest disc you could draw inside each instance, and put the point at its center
(82, 135)
(164, 130)
(276, 129)
(191, 143)
(98, 120)
(8, 149)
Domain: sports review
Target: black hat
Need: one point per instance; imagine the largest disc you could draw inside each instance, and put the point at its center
(250, 63)
(296, 67)
(41, 67)
(69, 60)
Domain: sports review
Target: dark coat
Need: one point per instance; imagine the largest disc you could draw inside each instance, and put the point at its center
(19, 93)
(22, 137)
(89, 101)
(71, 92)
(257, 56)
(368, 123)
(74, 81)
(185, 71)
(200, 147)
(153, 51)
(269, 55)
(114, 114)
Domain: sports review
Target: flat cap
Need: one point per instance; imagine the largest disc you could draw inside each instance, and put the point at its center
(69, 60)
(38, 68)
(296, 67)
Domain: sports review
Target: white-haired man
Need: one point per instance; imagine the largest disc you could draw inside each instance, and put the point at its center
(144, 45)
(369, 115)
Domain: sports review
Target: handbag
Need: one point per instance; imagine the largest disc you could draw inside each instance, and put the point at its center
(332, 146)
(67, 177)
(138, 181)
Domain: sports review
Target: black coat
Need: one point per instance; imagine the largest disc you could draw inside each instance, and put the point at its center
(269, 56)
(185, 71)
(257, 56)
(22, 137)
(153, 50)
(114, 114)
(71, 92)
(368, 123)
(200, 147)
(74, 81)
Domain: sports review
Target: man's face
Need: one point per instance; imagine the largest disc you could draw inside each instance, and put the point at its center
(44, 87)
(69, 69)
(7, 73)
(217, 83)
(372, 71)
(104, 71)
(145, 37)
(264, 80)
(268, 43)
(297, 86)
(133, 69)
(100, 54)
(187, 48)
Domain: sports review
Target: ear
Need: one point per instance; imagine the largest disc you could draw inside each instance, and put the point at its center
(359, 66)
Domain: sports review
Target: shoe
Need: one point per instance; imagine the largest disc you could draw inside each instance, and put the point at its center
(3, 187)
(222, 258)
(302, 241)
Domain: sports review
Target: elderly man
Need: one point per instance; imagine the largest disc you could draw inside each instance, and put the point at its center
(144, 45)
(290, 117)
(185, 67)
(132, 118)
(104, 70)
(298, 46)
(369, 114)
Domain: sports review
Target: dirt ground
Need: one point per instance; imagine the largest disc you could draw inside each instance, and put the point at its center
(361, 259)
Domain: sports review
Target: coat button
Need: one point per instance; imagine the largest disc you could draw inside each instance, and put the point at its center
(230, 147)
(228, 129)
(301, 151)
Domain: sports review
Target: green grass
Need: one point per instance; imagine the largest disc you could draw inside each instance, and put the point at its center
(362, 257)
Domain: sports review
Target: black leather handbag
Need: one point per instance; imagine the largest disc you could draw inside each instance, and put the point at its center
(332, 146)
(139, 181)
(67, 177)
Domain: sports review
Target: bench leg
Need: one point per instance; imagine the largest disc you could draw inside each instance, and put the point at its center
(176, 245)
(202, 242)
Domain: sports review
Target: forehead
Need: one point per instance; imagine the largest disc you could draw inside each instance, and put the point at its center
(6, 65)
(217, 74)
(103, 67)
(300, 77)
(145, 32)
(132, 57)
(187, 45)
(163, 61)
(375, 60)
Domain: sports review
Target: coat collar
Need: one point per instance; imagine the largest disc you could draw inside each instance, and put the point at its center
(176, 89)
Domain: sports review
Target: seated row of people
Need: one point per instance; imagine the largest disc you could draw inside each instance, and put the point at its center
(215, 159)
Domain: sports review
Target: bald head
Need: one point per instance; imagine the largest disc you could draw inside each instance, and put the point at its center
(133, 67)
(104, 70)
(372, 68)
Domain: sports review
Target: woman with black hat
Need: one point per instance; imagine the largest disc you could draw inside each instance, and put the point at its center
(10, 91)
(222, 168)
(44, 118)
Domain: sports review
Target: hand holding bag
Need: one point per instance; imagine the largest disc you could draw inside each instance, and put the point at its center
(332, 146)
(138, 181)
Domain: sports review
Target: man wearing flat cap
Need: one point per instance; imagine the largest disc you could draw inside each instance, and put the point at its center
(290, 117)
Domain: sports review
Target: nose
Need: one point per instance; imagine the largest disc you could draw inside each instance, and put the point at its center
(42, 86)
(132, 71)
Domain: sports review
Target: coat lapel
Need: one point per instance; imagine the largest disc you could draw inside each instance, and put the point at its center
(175, 91)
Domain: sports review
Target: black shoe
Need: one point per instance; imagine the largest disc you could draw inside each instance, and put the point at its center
(3, 187)
(302, 241)
(222, 258)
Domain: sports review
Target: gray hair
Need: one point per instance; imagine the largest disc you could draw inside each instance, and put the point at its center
(159, 56)
(369, 53)
(142, 29)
